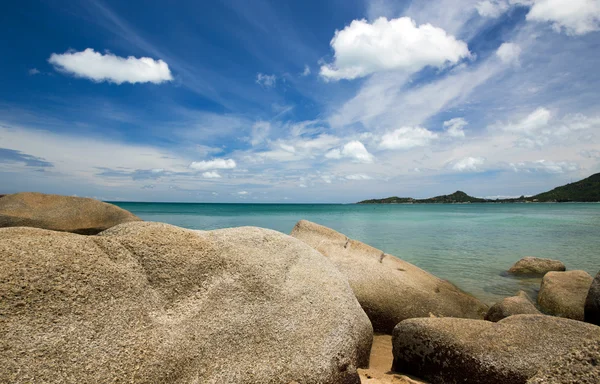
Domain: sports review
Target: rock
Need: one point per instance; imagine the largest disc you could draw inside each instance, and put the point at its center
(60, 213)
(592, 302)
(516, 305)
(389, 289)
(536, 266)
(380, 364)
(152, 303)
(466, 351)
(563, 293)
(580, 366)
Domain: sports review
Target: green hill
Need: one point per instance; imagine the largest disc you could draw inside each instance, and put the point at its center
(586, 190)
(455, 198)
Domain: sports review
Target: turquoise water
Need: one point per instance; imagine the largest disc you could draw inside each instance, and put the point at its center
(469, 245)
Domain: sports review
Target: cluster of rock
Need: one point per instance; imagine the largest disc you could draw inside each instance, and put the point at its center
(152, 303)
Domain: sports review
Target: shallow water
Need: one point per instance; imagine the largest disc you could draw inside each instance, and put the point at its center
(467, 244)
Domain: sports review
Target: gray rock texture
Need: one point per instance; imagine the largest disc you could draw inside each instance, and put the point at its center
(447, 350)
(520, 304)
(580, 366)
(564, 293)
(152, 303)
(389, 289)
(592, 302)
(536, 266)
(60, 213)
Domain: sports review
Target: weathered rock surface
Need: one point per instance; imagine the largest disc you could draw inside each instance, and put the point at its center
(520, 304)
(153, 303)
(564, 293)
(389, 289)
(580, 366)
(536, 266)
(61, 213)
(446, 350)
(592, 302)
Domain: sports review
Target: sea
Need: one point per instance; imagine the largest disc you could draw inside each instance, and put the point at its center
(471, 245)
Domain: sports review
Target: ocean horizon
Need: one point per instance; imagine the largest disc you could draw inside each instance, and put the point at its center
(470, 245)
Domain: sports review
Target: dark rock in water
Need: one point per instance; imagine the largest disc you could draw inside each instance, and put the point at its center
(592, 302)
(580, 366)
(564, 293)
(516, 305)
(154, 303)
(535, 266)
(446, 350)
(61, 213)
(389, 289)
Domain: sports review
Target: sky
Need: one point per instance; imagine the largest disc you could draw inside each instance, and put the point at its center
(281, 101)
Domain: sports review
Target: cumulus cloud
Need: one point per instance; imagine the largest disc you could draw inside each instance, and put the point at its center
(359, 176)
(108, 67)
(211, 175)
(575, 17)
(455, 127)
(468, 164)
(509, 53)
(543, 166)
(34, 71)
(266, 81)
(363, 48)
(407, 138)
(207, 165)
(354, 150)
(306, 71)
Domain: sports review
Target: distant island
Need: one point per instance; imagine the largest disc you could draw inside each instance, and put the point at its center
(583, 191)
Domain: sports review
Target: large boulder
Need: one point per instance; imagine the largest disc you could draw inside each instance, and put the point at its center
(564, 293)
(536, 266)
(61, 213)
(592, 302)
(389, 289)
(153, 303)
(446, 350)
(520, 304)
(580, 366)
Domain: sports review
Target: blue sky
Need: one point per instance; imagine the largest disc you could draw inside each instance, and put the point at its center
(298, 101)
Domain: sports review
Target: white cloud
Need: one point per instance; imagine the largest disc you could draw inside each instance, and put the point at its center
(260, 132)
(492, 8)
(354, 150)
(535, 121)
(306, 71)
(359, 176)
(34, 71)
(108, 67)
(509, 53)
(267, 81)
(211, 175)
(495, 8)
(543, 166)
(541, 128)
(242, 193)
(398, 44)
(407, 138)
(213, 164)
(468, 164)
(575, 17)
(455, 127)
